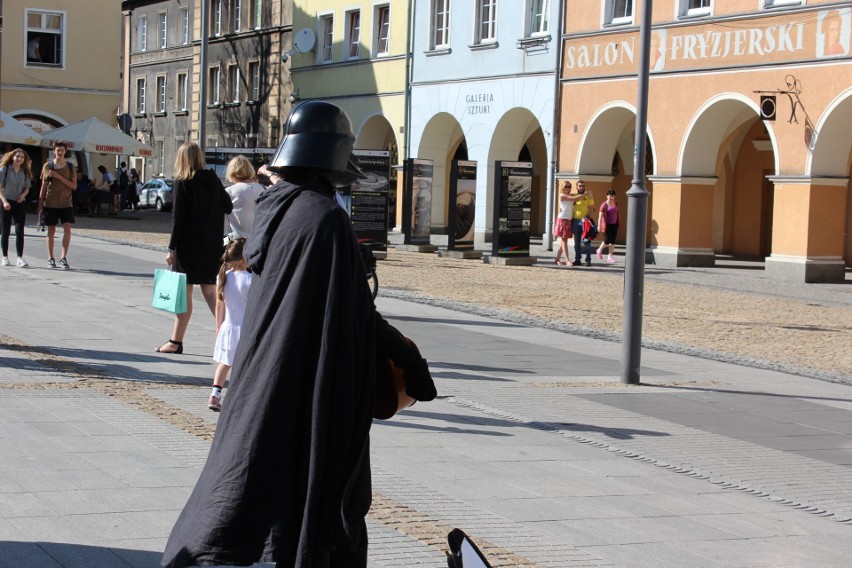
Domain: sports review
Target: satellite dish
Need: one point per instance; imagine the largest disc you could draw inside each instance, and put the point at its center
(304, 40)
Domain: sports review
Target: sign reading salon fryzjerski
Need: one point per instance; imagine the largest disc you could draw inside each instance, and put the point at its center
(781, 39)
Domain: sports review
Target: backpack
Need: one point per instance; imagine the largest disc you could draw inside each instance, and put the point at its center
(51, 167)
(590, 229)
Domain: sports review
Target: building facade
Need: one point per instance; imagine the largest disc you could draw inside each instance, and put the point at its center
(729, 171)
(55, 72)
(483, 89)
(246, 83)
(355, 55)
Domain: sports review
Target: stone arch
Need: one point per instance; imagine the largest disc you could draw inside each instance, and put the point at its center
(441, 136)
(831, 155)
(730, 151)
(517, 129)
(606, 155)
(711, 125)
(832, 145)
(376, 133)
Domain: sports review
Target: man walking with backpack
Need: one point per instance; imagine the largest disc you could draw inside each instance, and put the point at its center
(56, 200)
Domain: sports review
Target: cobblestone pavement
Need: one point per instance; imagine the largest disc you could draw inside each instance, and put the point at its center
(731, 313)
(534, 448)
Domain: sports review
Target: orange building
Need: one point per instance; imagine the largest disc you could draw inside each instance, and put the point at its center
(724, 178)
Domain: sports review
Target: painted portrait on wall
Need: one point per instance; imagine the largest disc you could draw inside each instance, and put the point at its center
(833, 32)
(657, 60)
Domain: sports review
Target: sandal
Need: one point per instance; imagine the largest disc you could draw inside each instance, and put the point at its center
(177, 351)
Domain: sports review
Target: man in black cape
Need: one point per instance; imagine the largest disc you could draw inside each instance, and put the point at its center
(287, 479)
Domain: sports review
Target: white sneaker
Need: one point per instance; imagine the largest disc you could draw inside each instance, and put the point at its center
(5, 261)
(22, 263)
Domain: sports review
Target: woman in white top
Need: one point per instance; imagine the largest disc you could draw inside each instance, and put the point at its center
(244, 193)
(562, 227)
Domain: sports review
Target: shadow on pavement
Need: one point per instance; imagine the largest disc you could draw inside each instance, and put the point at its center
(617, 433)
(456, 321)
(478, 368)
(752, 393)
(65, 555)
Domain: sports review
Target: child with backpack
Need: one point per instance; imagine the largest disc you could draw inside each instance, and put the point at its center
(232, 288)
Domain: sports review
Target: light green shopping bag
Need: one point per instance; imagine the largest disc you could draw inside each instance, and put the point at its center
(169, 291)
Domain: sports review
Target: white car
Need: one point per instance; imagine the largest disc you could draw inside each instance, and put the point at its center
(157, 193)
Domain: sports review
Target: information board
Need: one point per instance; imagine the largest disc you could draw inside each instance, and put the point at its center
(512, 206)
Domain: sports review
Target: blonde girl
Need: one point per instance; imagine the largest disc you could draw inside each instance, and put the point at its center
(232, 288)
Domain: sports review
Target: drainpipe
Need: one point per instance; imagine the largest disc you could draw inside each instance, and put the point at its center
(409, 67)
(554, 145)
(202, 79)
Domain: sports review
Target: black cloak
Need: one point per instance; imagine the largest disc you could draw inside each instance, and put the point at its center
(287, 479)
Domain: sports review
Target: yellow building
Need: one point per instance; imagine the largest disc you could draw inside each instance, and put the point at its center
(55, 71)
(354, 54)
(724, 178)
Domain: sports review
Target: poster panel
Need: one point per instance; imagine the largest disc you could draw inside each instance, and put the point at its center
(463, 194)
(369, 199)
(417, 202)
(512, 207)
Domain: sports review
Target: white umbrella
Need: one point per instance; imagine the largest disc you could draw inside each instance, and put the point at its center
(93, 135)
(15, 132)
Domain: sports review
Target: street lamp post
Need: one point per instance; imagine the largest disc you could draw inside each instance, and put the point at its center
(637, 214)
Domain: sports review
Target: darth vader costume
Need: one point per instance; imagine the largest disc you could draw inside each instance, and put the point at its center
(287, 479)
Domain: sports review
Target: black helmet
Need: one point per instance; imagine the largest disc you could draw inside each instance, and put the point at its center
(318, 136)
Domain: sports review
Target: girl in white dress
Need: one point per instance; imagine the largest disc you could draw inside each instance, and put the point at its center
(232, 288)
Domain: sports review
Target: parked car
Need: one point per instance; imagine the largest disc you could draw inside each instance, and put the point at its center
(157, 193)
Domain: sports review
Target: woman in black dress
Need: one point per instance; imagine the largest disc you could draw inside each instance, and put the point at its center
(200, 204)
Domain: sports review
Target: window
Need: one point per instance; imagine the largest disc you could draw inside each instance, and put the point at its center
(160, 152)
(184, 25)
(235, 15)
(696, 7)
(233, 83)
(353, 34)
(327, 35)
(382, 20)
(161, 94)
(216, 18)
(213, 86)
(162, 30)
(45, 38)
(140, 96)
(620, 12)
(539, 15)
(181, 91)
(142, 33)
(254, 78)
(256, 11)
(773, 3)
(486, 21)
(440, 28)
